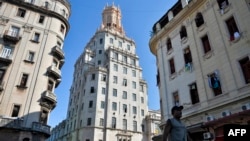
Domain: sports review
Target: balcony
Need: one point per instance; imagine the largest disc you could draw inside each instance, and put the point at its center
(39, 127)
(10, 122)
(6, 59)
(48, 100)
(58, 52)
(54, 72)
(11, 36)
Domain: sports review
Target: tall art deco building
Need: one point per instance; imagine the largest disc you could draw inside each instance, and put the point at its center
(32, 33)
(108, 97)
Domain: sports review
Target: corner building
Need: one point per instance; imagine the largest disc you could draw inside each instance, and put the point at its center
(108, 98)
(202, 51)
(32, 33)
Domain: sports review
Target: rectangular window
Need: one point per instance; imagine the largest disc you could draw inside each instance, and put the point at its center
(103, 90)
(133, 62)
(6, 52)
(92, 89)
(133, 73)
(31, 56)
(206, 44)
(100, 51)
(36, 37)
(113, 122)
(245, 67)
(115, 79)
(21, 12)
(115, 92)
(115, 55)
(115, 67)
(169, 44)
(104, 76)
(124, 124)
(101, 41)
(194, 93)
(232, 28)
(134, 84)
(114, 106)
(41, 19)
(120, 44)
(124, 82)
(172, 66)
(128, 47)
(142, 100)
(124, 108)
(101, 122)
(89, 122)
(125, 70)
(125, 59)
(141, 88)
(134, 110)
(99, 62)
(24, 80)
(142, 112)
(134, 126)
(124, 95)
(15, 110)
(93, 77)
(111, 40)
(2, 73)
(187, 56)
(102, 104)
(134, 96)
(90, 104)
(176, 98)
(214, 83)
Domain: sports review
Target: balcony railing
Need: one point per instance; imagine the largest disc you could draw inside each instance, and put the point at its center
(54, 71)
(39, 127)
(50, 96)
(9, 122)
(58, 52)
(11, 36)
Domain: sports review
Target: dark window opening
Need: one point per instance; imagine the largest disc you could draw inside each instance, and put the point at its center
(15, 111)
(172, 66)
(232, 28)
(90, 104)
(245, 67)
(21, 12)
(187, 56)
(206, 44)
(214, 83)
(24, 80)
(89, 122)
(194, 93)
(199, 19)
(222, 3)
(92, 90)
(183, 32)
(169, 44)
(41, 19)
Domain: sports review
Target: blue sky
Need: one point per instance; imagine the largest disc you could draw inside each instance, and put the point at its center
(138, 17)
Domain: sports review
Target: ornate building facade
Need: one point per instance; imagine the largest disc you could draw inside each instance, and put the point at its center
(203, 61)
(32, 34)
(108, 97)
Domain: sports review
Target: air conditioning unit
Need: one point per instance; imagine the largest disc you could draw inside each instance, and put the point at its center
(207, 135)
(226, 113)
(210, 118)
(245, 106)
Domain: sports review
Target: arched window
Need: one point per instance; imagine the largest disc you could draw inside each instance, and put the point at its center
(183, 32)
(199, 19)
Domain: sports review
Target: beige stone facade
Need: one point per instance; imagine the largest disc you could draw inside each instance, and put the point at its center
(32, 33)
(203, 61)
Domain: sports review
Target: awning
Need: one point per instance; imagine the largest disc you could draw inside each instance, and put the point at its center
(233, 118)
(196, 128)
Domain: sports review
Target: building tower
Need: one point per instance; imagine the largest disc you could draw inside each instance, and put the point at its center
(31, 56)
(108, 97)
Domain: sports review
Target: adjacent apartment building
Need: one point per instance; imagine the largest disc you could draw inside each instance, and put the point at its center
(108, 97)
(202, 49)
(32, 33)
